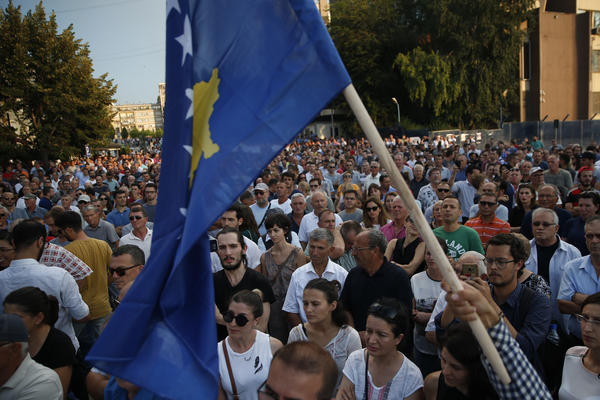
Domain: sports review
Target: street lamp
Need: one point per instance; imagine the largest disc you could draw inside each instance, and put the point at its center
(398, 107)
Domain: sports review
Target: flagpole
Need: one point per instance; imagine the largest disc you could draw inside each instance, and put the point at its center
(427, 234)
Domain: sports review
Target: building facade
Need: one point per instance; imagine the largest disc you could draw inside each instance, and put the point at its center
(137, 116)
(560, 62)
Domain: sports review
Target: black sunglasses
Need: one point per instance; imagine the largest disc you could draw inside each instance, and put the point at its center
(132, 217)
(443, 190)
(372, 208)
(240, 319)
(487, 203)
(121, 270)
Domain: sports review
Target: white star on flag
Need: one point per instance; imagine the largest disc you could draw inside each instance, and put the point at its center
(185, 40)
(173, 4)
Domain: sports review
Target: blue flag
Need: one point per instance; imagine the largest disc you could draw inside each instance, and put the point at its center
(243, 79)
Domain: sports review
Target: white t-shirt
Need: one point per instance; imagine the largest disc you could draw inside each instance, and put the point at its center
(340, 347)
(407, 380)
(425, 291)
(250, 369)
(286, 206)
(578, 383)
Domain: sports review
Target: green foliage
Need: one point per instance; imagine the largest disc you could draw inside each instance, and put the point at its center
(124, 133)
(46, 80)
(450, 63)
(144, 133)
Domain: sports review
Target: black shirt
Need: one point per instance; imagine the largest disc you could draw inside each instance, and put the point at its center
(57, 351)
(544, 255)
(224, 291)
(361, 290)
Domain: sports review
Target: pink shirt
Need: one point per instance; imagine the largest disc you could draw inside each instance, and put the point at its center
(388, 231)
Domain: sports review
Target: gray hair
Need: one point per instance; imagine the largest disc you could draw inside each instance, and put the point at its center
(545, 210)
(554, 187)
(377, 239)
(321, 234)
(90, 207)
(481, 268)
(296, 195)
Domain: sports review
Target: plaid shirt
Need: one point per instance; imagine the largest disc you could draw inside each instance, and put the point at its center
(56, 256)
(525, 382)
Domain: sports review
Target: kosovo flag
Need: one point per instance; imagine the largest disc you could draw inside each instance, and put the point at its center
(244, 77)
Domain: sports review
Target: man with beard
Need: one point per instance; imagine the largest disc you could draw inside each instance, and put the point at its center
(236, 276)
(29, 238)
(586, 178)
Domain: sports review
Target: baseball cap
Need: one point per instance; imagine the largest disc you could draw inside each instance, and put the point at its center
(84, 197)
(261, 186)
(12, 329)
(534, 170)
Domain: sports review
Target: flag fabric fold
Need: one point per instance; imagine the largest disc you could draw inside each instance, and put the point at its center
(243, 78)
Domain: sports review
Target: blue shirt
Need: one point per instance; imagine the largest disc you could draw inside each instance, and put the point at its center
(118, 218)
(579, 277)
(576, 234)
(465, 193)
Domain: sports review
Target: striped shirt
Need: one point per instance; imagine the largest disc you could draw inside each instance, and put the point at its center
(488, 230)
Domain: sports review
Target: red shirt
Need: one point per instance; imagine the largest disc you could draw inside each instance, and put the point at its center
(487, 231)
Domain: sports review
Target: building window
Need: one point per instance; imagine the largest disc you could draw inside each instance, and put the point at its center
(595, 60)
(595, 102)
(596, 19)
(526, 65)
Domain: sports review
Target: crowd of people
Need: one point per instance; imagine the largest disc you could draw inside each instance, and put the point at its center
(319, 269)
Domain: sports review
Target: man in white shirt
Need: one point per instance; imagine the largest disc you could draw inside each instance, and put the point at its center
(282, 201)
(140, 236)
(320, 266)
(30, 237)
(373, 178)
(310, 221)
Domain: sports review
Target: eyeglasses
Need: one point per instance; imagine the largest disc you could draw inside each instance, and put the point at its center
(371, 209)
(587, 320)
(500, 262)
(443, 190)
(132, 217)
(121, 270)
(240, 319)
(544, 224)
(259, 192)
(487, 203)
(591, 236)
(384, 311)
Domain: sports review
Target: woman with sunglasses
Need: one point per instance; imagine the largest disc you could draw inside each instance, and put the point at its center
(326, 322)
(105, 203)
(581, 369)
(374, 216)
(245, 354)
(525, 202)
(380, 371)
(462, 376)
(47, 345)
(409, 252)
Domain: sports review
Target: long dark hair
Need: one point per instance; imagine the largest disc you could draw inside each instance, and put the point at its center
(32, 301)
(330, 289)
(462, 345)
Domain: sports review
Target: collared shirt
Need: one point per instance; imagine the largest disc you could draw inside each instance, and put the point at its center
(304, 274)
(389, 231)
(525, 383)
(531, 323)
(309, 223)
(465, 193)
(561, 257)
(488, 230)
(54, 281)
(104, 231)
(427, 196)
(145, 244)
(32, 381)
(501, 212)
(369, 180)
(579, 277)
(57, 256)
(118, 218)
(361, 290)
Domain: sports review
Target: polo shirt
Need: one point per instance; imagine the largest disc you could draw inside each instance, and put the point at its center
(361, 290)
(309, 223)
(579, 277)
(304, 274)
(104, 231)
(32, 381)
(501, 211)
(53, 281)
(145, 244)
(488, 230)
(118, 218)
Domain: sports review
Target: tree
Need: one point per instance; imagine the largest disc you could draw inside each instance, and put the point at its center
(46, 80)
(450, 63)
(124, 133)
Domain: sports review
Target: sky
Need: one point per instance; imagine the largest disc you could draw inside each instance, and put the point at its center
(126, 40)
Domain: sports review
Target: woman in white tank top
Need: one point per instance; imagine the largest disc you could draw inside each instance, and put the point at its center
(247, 351)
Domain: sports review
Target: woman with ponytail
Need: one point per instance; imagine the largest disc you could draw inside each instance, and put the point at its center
(47, 345)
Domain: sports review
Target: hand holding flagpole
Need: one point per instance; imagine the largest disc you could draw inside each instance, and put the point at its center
(386, 160)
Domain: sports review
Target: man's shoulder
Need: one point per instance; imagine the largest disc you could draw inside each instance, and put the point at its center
(573, 266)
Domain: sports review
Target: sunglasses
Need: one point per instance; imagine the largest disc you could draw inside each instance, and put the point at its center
(260, 192)
(132, 217)
(240, 319)
(487, 203)
(121, 270)
(443, 190)
(544, 224)
(372, 208)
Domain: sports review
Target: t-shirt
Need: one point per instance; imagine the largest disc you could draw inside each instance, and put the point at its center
(426, 291)
(355, 216)
(407, 380)
(104, 231)
(224, 291)
(57, 351)
(578, 383)
(96, 254)
(460, 241)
